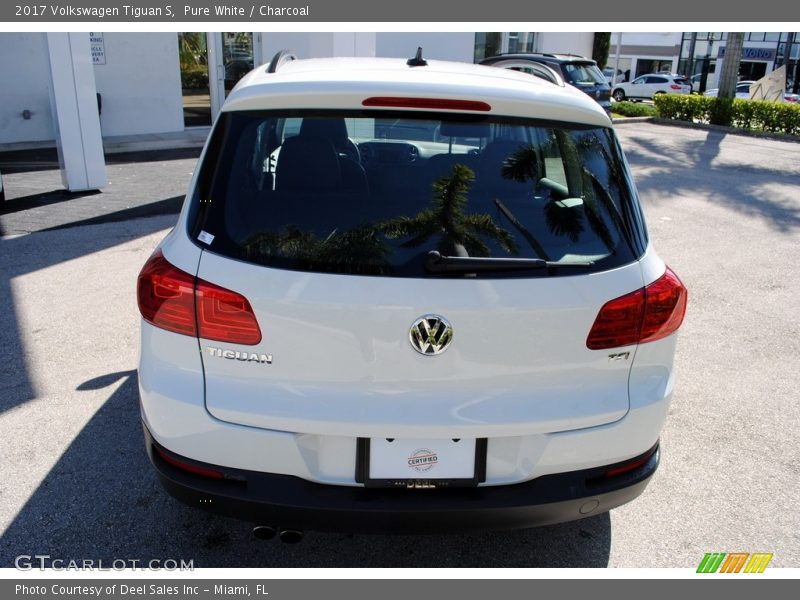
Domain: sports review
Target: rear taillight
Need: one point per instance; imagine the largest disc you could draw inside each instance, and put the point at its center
(675, 86)
(166, 296)
(645, 315)
(665, 307)
(176, 301)
(225, 316)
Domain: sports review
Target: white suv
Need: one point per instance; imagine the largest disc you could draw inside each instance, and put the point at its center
(647, 86)
(407, 296)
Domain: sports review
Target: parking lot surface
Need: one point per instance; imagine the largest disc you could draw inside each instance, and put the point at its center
(723, 211)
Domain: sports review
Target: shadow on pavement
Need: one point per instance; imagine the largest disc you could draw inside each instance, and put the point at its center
(24, 254)
(152, 209)
(101, 500)
(744, 187)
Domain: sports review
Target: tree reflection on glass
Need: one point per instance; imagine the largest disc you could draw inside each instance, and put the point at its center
(448, 220)
(355, 251)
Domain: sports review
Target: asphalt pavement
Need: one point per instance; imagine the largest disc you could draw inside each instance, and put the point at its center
(723, 211)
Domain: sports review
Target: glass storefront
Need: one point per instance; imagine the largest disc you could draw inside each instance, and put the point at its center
(193, 57)
(762, 53)
(234, 57)
(237, 57)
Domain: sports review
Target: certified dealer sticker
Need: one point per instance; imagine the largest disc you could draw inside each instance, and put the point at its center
(423, 460)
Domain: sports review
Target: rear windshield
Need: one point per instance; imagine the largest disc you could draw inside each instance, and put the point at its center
(584, 73)
(373, 193)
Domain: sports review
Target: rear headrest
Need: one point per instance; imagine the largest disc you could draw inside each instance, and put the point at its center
(307, 164)
(331, 129)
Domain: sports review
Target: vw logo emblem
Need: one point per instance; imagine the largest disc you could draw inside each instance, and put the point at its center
(431, 335)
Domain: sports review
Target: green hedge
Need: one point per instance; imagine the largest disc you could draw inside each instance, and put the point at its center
(633, 109)
(759, 115)
(194, 79)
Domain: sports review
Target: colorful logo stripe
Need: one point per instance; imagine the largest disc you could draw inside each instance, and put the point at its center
(734, 562)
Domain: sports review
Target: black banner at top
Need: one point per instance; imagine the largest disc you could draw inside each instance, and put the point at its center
(440, 11)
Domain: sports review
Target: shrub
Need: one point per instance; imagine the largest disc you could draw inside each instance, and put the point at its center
(722, 111)
(194, 79)
(633, 109)
(683, 108)
(759, 115)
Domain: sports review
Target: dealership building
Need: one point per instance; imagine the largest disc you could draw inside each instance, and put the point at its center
(166, 82)
(56, 84)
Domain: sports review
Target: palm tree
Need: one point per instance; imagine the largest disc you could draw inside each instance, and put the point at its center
(459, 233)
(722, 111)
(191, 49)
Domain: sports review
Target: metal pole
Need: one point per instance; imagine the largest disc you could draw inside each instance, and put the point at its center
(616, 61)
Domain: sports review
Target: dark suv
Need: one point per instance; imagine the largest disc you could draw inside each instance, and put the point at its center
(578, 71)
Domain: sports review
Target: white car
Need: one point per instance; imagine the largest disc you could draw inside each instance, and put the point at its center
(612, 77)
(407, 296)
(743, 92)
(647, 86)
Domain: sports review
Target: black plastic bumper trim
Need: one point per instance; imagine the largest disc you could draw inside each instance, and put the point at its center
(291, 502)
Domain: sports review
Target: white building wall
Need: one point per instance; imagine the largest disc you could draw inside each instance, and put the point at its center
(317, 45)
(140, 84)
(459, 46)
(656, 38)
(566, 42)
(442, 46)
(353, 44)
(24, 85)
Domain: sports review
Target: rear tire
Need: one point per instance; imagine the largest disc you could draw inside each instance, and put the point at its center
(618, 95)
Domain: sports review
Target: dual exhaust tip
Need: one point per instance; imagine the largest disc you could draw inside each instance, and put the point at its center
(287, 536)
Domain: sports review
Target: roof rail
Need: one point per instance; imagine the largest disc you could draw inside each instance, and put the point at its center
(281, 58)
(533, 68)
(543, 71)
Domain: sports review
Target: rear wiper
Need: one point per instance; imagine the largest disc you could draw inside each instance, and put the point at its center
(436, 263)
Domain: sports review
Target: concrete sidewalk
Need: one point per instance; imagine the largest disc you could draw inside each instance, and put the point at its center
(140, 184)
(193, 137)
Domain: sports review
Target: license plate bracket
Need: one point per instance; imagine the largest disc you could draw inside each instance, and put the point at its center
(420, 464)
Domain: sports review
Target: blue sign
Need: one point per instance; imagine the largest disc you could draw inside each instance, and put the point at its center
(765, 54)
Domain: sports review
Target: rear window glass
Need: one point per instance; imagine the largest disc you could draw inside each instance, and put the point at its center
(583, 73)
(374, 192)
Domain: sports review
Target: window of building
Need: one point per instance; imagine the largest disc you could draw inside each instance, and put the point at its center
(520, 42)
(488, 44)
(492, 44)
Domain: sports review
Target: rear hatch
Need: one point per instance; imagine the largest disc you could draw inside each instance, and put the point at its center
(342, 230)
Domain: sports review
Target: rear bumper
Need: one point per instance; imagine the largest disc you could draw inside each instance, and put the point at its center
(291, 502)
